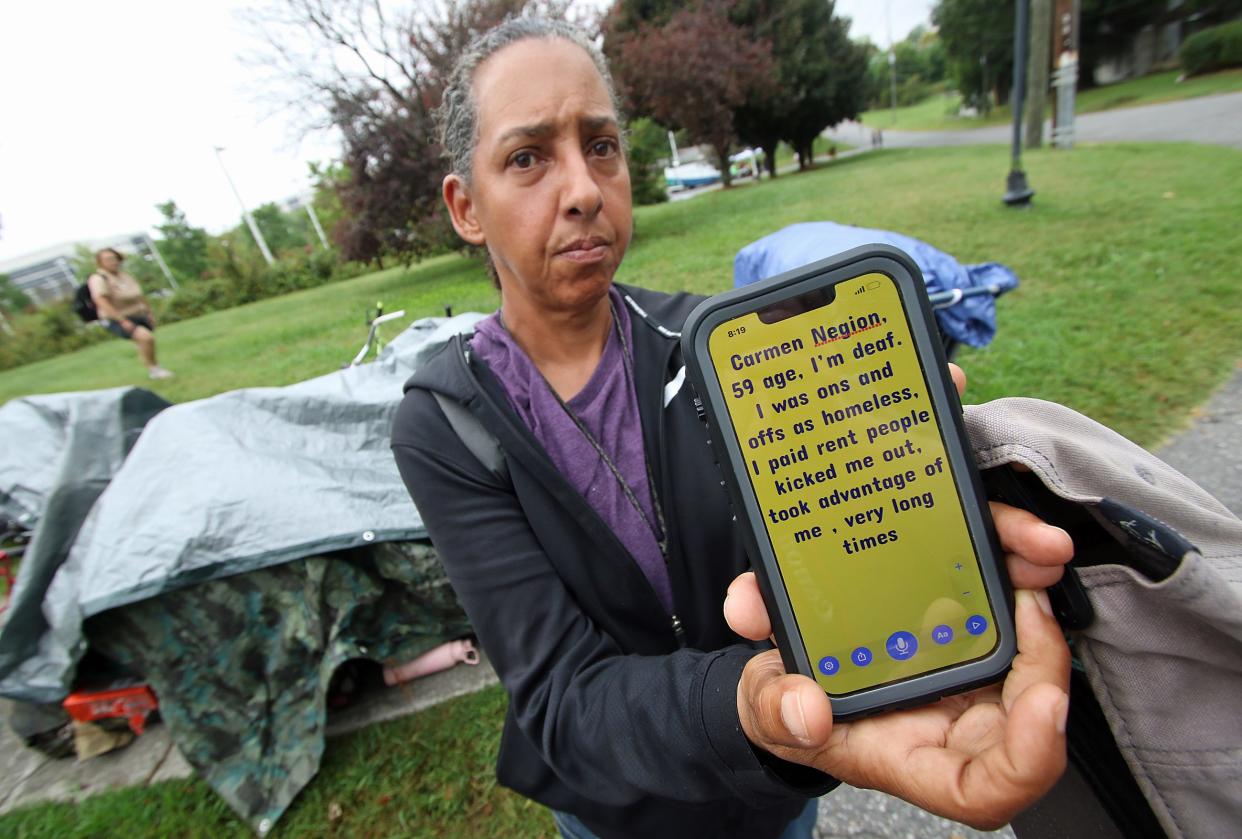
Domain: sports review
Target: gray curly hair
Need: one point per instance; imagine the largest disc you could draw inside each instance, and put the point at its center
(458, 115)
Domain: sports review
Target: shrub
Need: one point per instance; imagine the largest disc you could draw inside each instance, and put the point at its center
(44, 332)
(648, 146)
(1213, 49)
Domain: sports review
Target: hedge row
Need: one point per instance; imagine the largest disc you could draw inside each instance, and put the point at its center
(1213, 49)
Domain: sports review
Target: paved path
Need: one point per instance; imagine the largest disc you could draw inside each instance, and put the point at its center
(1215, 120)
(1209, 452)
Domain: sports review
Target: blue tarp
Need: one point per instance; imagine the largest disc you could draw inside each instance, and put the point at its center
(971, 321)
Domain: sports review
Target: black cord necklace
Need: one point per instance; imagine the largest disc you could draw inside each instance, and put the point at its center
(658, 528)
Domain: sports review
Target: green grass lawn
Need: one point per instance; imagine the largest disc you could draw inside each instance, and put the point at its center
(273, 342)
(1126, 246)
(939, 113)
(1129, 310)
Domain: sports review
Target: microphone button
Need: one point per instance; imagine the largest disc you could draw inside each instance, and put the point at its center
(901, 645)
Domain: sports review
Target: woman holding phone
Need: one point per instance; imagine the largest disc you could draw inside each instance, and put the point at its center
(599, 563)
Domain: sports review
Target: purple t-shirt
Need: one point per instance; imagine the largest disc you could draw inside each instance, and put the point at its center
(608, 407)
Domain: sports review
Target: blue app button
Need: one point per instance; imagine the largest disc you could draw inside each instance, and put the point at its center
(976, 624)
(902, 645)
(828, 665)
(942, 634)
(861, 656)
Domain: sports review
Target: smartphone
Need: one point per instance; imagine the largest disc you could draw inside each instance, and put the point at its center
(827, 392)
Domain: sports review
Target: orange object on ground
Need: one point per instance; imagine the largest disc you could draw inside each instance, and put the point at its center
(134, 704)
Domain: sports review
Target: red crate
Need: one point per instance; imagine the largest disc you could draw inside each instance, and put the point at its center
(133, 704)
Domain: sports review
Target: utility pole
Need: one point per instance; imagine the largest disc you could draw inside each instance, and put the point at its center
(1037, 89)
(892, 59)
(1018, 193)
(1065, 76)
(892, 77)
(254, 228)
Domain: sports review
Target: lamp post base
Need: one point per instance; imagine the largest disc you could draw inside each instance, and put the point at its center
(1019, 193)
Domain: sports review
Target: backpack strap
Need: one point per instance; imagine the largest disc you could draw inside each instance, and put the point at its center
(474, 436)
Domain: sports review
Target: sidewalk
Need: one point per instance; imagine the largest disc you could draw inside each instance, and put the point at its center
(1212, 120)
(1208, 451)
(28, 776)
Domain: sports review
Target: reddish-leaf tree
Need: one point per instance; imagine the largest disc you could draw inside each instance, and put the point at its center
(693, 72)
(375, 74)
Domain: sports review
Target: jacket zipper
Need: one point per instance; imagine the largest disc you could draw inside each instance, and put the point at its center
(679, 631)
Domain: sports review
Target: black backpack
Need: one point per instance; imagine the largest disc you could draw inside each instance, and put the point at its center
(84, 304)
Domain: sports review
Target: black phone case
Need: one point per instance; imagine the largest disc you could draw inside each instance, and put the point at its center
(947, 407)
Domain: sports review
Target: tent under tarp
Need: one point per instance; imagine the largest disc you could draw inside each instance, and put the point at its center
(238, 556)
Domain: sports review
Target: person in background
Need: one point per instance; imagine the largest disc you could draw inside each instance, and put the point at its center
(600, 567)
(123, 308)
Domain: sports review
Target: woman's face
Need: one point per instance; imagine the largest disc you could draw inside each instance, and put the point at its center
(109, 261)
(550, 193)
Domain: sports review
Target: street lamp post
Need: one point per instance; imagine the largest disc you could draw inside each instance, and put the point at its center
(892, 58)
(159, 260)
(1018, 193)
(254, 228)
(314, 217)
(892, 77)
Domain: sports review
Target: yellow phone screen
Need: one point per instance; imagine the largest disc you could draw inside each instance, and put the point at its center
(848, 467)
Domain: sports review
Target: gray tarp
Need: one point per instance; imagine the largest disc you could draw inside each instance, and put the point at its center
(240, 481)
(59, 453)
(52, 438)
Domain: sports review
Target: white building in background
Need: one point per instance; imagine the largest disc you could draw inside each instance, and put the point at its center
(49, 274)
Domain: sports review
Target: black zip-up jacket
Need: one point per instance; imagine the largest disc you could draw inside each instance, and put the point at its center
(610, 718)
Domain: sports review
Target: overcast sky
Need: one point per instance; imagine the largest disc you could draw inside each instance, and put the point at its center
(110, 108)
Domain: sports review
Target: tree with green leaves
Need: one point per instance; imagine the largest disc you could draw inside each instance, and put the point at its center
(281, 232)
(183, 246)
(978, 43)
(920, 66)
(820, 75)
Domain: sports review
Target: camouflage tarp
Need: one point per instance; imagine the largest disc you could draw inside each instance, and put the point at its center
(249, 714)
